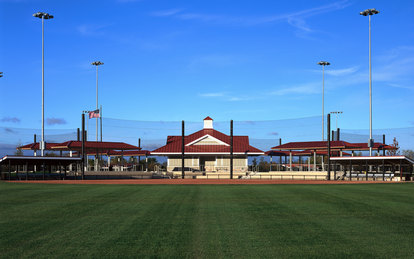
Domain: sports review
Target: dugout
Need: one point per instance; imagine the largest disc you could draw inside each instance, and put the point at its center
(373, 168)
(36, 167)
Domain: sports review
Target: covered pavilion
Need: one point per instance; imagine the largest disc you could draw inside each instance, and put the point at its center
(320, 148)
(374, 167)
(74, 147)
(36, 162)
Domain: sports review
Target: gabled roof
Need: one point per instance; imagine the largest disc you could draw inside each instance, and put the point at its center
(240, 144)
(94, 145)
(208, 118)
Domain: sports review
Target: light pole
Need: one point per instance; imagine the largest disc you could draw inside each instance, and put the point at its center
(97, 63)
(43, 16)
(369, 12)
(323, 64)
(336, 115)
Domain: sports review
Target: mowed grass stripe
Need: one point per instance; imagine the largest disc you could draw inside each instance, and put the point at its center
(206, 221)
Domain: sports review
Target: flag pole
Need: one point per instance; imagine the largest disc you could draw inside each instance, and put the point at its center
(100, 116)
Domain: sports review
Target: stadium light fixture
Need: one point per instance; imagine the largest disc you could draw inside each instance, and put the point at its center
(43, 16)
(369, 13)
(323, 64)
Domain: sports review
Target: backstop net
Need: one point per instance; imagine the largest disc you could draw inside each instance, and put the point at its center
(153, 134)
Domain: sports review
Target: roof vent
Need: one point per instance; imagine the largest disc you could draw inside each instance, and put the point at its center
(208, 123)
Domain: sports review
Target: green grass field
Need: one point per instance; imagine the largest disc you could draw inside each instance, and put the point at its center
(367, 220)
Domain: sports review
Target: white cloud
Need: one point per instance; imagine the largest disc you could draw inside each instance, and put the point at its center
(310, 88)
(341, 72)
(169, 12)
(211, 94)
(92, 29)
(55, 121)
(295, 19)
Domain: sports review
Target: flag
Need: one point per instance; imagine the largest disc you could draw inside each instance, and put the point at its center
(94, 114)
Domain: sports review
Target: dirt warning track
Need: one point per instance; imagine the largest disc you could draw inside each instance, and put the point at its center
(195, 181)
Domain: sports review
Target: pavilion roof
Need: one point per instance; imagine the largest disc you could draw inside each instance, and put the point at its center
(36, 146)
(240, 144)
(323, 145)
(94, 145)
(129, 153)
(304, 153)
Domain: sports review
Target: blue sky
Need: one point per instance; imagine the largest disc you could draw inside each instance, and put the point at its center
(184, 60)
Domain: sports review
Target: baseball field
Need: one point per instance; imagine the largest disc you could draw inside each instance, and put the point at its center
(206, 221)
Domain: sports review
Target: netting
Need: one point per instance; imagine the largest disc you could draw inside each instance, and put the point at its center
(153, 134)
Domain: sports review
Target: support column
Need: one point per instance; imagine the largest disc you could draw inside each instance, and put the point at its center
(270, 169)
(83, 147)
(329, 146)
(182, 149)
(280, 157)
(231, 149)
(290, 160)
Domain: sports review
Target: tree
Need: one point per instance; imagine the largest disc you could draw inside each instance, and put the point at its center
(132, 160)
(263, 165)
(395, 151)
(254, 162)
(151, 164)
(19, 151)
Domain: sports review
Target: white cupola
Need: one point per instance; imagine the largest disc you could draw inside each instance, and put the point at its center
(208, 123)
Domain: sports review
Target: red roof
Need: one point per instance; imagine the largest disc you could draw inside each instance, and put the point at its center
(94, 145)
(364, 146)
(129, 153)
(240, 144)
(208, 118)
(36, 146)
(315, 145)
(310, 145)
(303, 153)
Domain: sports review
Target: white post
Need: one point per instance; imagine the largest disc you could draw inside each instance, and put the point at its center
(290, 160)
(70, 166)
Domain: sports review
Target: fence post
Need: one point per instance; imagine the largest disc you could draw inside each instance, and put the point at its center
(329, 146)
(182, 150)
(231, 149)
(83, 147)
